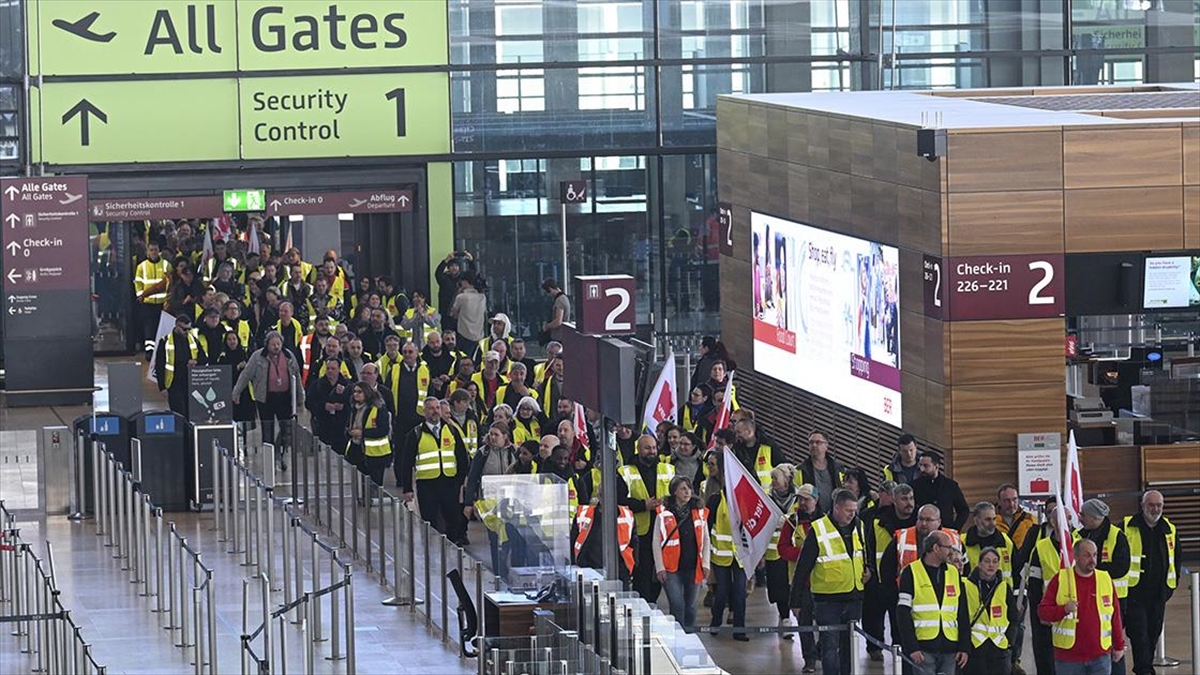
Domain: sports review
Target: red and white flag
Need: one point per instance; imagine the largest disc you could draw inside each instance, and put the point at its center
(208, 246)
(1066, 546)
(1072, 484)
(753, 517)
(723, 415)
(581, 427)
(662, 405)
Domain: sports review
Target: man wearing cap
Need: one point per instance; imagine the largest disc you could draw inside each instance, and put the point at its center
(1153, 577)
(488, 381)
(808, 510)
(177, 351)
(1083, 605)
(896, 510)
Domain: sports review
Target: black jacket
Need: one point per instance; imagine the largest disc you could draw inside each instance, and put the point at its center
(329, 427)
(1118, 562)
(908, 635)
(408, 457)
(945, 494)
(808, 561)
(1152, 587)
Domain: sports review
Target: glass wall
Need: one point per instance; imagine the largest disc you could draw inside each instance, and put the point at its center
(623, 93)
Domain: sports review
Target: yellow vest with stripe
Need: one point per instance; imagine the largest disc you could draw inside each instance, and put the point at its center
(721, 550)
(297, 332)
(931, 618)
(1005, 552)
(469, 430)
(991, 622)
(1049, 562)
(435, 457)
(883, 537)
(639, 491)
(150, 273)
(375, 447)
(1063, 632)
(1134, 534)
(762, 465)
(242, 329)
(426, 329)
(837, 570)
(1106, 554)
(391, 377)
(169, 363)
(573, 489)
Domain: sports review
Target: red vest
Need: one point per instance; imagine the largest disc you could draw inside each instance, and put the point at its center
(907, 546)
(670, 539)
(585, 518)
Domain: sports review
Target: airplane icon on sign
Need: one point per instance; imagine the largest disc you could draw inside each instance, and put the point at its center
(83, 28)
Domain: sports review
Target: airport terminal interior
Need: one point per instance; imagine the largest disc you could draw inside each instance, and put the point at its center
(599, 336)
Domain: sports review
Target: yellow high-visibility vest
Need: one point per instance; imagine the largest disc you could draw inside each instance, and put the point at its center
(1049, 562)
(169, 367)
(375, 447)
(721, 550)
(990, 623)
(1106, 554)
(837, 570)
(147, 274)
(1134, 534)
(1005, 552)
(639, 491)
(435, 456)
(242, 328)
(1063, 632)
(930, 617)
(773, 547)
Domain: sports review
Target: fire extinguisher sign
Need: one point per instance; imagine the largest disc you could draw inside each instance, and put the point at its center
(1039, 463)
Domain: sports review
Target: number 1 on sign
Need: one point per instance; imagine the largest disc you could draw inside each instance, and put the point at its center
(397, 95)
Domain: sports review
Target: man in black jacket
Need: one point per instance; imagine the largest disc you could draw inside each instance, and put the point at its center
(930, 648)
(935, 488)
(328, 399)
(435, 453)
(1152, 580)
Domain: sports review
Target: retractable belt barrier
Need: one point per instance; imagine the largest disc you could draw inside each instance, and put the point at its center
(32, 611)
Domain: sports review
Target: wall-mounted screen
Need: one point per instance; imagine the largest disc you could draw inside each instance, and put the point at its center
(827, 314)
(1171, 282)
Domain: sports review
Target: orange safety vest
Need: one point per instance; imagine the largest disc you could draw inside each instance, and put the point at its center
(907, 546)
(585, 519)
(670, 539)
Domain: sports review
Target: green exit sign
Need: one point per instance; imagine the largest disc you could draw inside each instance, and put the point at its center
(245, 200)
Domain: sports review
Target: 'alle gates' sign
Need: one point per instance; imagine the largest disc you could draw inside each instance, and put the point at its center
(245, 87)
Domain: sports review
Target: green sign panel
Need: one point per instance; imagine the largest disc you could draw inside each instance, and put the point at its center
(345, 116)
(138, 121)
(245, 200)
(118, 37)
(226, 115)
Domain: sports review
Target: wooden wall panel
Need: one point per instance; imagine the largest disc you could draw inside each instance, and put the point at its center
(817, 137)
(1191, 216)
(1171, 463)
(778, 134)
(775, 199)
(1124, 219)
(912, 343)
(1110, 468)
(979, 471)
(733, 178)
(915, 409)
(987, 223)
(993, 162)
(983, 352)
(732, 125)
(798, 192)
(756, 131)
(840, 153)
(1126, 157)
(937, 425)
(797, 137)
(1191, 154)
(991, 416)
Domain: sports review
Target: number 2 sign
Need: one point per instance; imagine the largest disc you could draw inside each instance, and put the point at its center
(996, 287)
(606, 304)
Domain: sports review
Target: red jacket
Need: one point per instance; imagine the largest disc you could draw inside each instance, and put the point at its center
(1087, 631)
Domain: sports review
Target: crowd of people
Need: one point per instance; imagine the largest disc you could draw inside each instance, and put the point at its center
(442, 395)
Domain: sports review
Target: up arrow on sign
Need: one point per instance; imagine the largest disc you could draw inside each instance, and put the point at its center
(12, 220)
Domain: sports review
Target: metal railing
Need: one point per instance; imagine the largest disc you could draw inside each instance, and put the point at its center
(244, 508)
(156, 557)
(31, 604)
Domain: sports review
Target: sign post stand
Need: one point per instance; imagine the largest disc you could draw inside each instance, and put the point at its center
(569, 192)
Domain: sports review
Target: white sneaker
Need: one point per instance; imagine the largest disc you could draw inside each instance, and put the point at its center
(784, 623)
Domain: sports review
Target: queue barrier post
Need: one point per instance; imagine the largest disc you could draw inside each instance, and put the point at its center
(1195, 577)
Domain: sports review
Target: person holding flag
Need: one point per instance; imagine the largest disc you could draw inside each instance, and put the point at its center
(833, 567)
(663, 403)
(1082, 604)
(1073, 491)
(1044, 563)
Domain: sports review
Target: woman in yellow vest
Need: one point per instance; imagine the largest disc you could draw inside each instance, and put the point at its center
(368, 432)
(786, 496)
(681, 556)
(992, 606)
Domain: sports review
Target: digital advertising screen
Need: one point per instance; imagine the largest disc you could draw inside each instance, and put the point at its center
(1171, 282)
(827, 314)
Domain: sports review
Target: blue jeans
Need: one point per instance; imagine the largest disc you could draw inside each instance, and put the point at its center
(681, 596)
(1100, 666)
(936, 664)
(731, 591)
(835, 645)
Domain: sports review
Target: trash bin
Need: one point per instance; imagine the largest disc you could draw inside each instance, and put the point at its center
(110, 429)
(162, 457)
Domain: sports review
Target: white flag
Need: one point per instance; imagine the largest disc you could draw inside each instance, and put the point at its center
(753, 517)
(663, 403)
(252, 242)
(1072, 484)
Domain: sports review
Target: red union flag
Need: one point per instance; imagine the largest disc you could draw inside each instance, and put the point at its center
(753, 517)
(662, 404)
(722, 421)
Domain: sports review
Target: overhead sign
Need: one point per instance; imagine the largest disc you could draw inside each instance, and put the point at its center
(1039, 463)
(573, 191)
(345, 115)
(84, 37)
(155, 208)
(606, 304)
(138, 121)
(244, 200)
(227, 115)
(725, 220)
(1004, 287)
(45, 259)
(329, 203)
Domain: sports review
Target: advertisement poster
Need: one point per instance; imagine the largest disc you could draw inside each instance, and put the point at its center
(1172, 282)
(827, 314)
